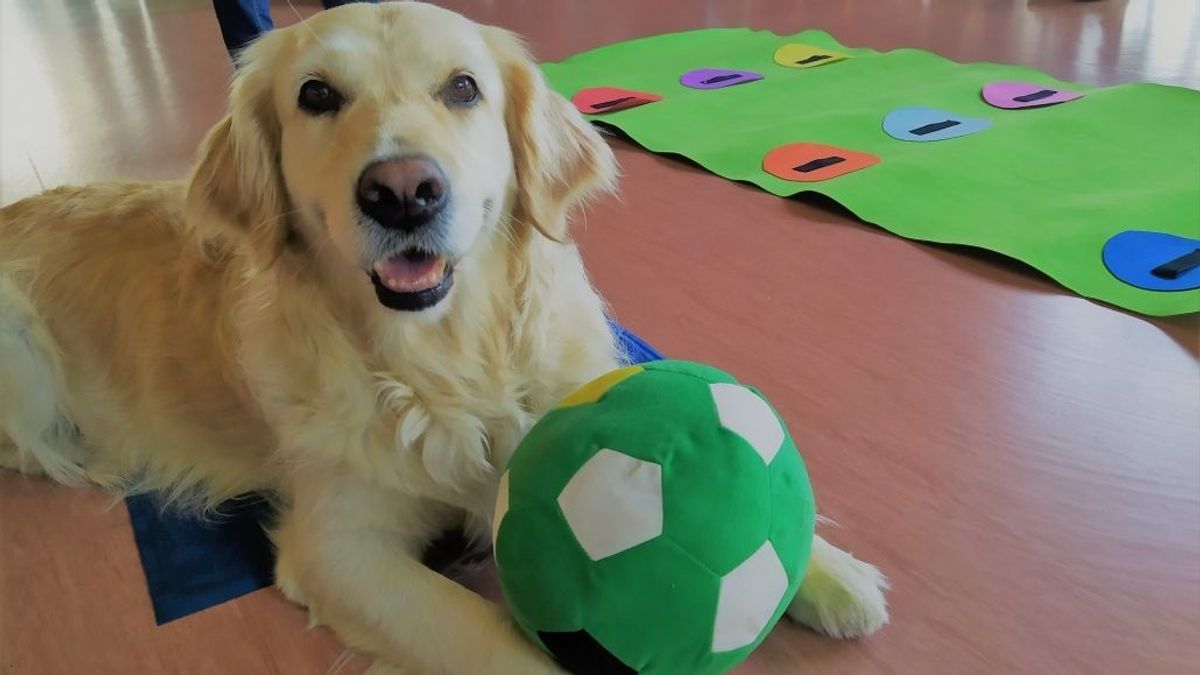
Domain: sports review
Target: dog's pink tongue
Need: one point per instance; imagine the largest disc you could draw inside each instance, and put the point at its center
(404, 275)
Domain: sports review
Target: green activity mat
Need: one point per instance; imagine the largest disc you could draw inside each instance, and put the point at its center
(1094, 186)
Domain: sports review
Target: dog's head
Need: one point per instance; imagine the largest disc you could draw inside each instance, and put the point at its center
(387, 145)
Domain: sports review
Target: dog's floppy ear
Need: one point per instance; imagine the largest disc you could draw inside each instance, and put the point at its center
(560, 160)
(236, 187)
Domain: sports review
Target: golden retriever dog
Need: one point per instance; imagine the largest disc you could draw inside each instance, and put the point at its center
(359, 301)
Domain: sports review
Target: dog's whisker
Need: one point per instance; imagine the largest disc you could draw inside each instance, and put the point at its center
(36, 174)
(304, 22)
(339, 664)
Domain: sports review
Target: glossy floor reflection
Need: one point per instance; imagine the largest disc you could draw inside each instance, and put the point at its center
(1024, 464)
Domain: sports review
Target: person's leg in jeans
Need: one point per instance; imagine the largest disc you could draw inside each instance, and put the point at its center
(330, 4)
(244, 20)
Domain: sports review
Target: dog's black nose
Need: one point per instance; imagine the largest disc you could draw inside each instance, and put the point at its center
(403, 193)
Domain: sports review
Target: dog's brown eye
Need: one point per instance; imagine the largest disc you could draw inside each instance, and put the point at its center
(318, 98)
(461, 90)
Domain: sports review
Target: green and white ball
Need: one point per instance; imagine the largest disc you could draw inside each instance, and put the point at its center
(659, 520)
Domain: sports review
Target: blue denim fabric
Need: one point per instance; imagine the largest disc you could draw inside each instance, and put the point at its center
(244, 20)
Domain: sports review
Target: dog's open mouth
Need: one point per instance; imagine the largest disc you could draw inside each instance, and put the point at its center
(412, 280)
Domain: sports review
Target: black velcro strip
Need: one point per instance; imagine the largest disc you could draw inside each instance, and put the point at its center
(934, 126)
(821, 163)
(1035, 96)
(720, 78)
(610, 103)
(1173, 269)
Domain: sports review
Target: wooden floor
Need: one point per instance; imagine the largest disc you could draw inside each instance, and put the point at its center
(1023, 463)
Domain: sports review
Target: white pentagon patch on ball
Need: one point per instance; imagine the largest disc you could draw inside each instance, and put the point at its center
(748, 598)
(613, 503)
(748, 416)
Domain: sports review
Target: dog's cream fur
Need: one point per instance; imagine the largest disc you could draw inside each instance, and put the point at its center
(220, 336)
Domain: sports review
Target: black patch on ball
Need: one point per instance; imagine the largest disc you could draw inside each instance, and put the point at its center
(581, 654)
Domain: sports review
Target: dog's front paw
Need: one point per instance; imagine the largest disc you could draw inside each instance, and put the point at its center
(840, 596)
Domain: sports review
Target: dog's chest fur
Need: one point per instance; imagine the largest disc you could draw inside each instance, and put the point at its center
(425, 414)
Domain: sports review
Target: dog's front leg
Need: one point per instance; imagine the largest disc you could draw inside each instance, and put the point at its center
(351, 552)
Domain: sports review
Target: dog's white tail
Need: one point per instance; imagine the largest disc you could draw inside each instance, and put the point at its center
(32, 413)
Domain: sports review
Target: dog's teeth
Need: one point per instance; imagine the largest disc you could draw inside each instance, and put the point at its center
(395, 274)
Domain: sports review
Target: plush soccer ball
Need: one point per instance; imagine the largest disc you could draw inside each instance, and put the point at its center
(658, 520)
